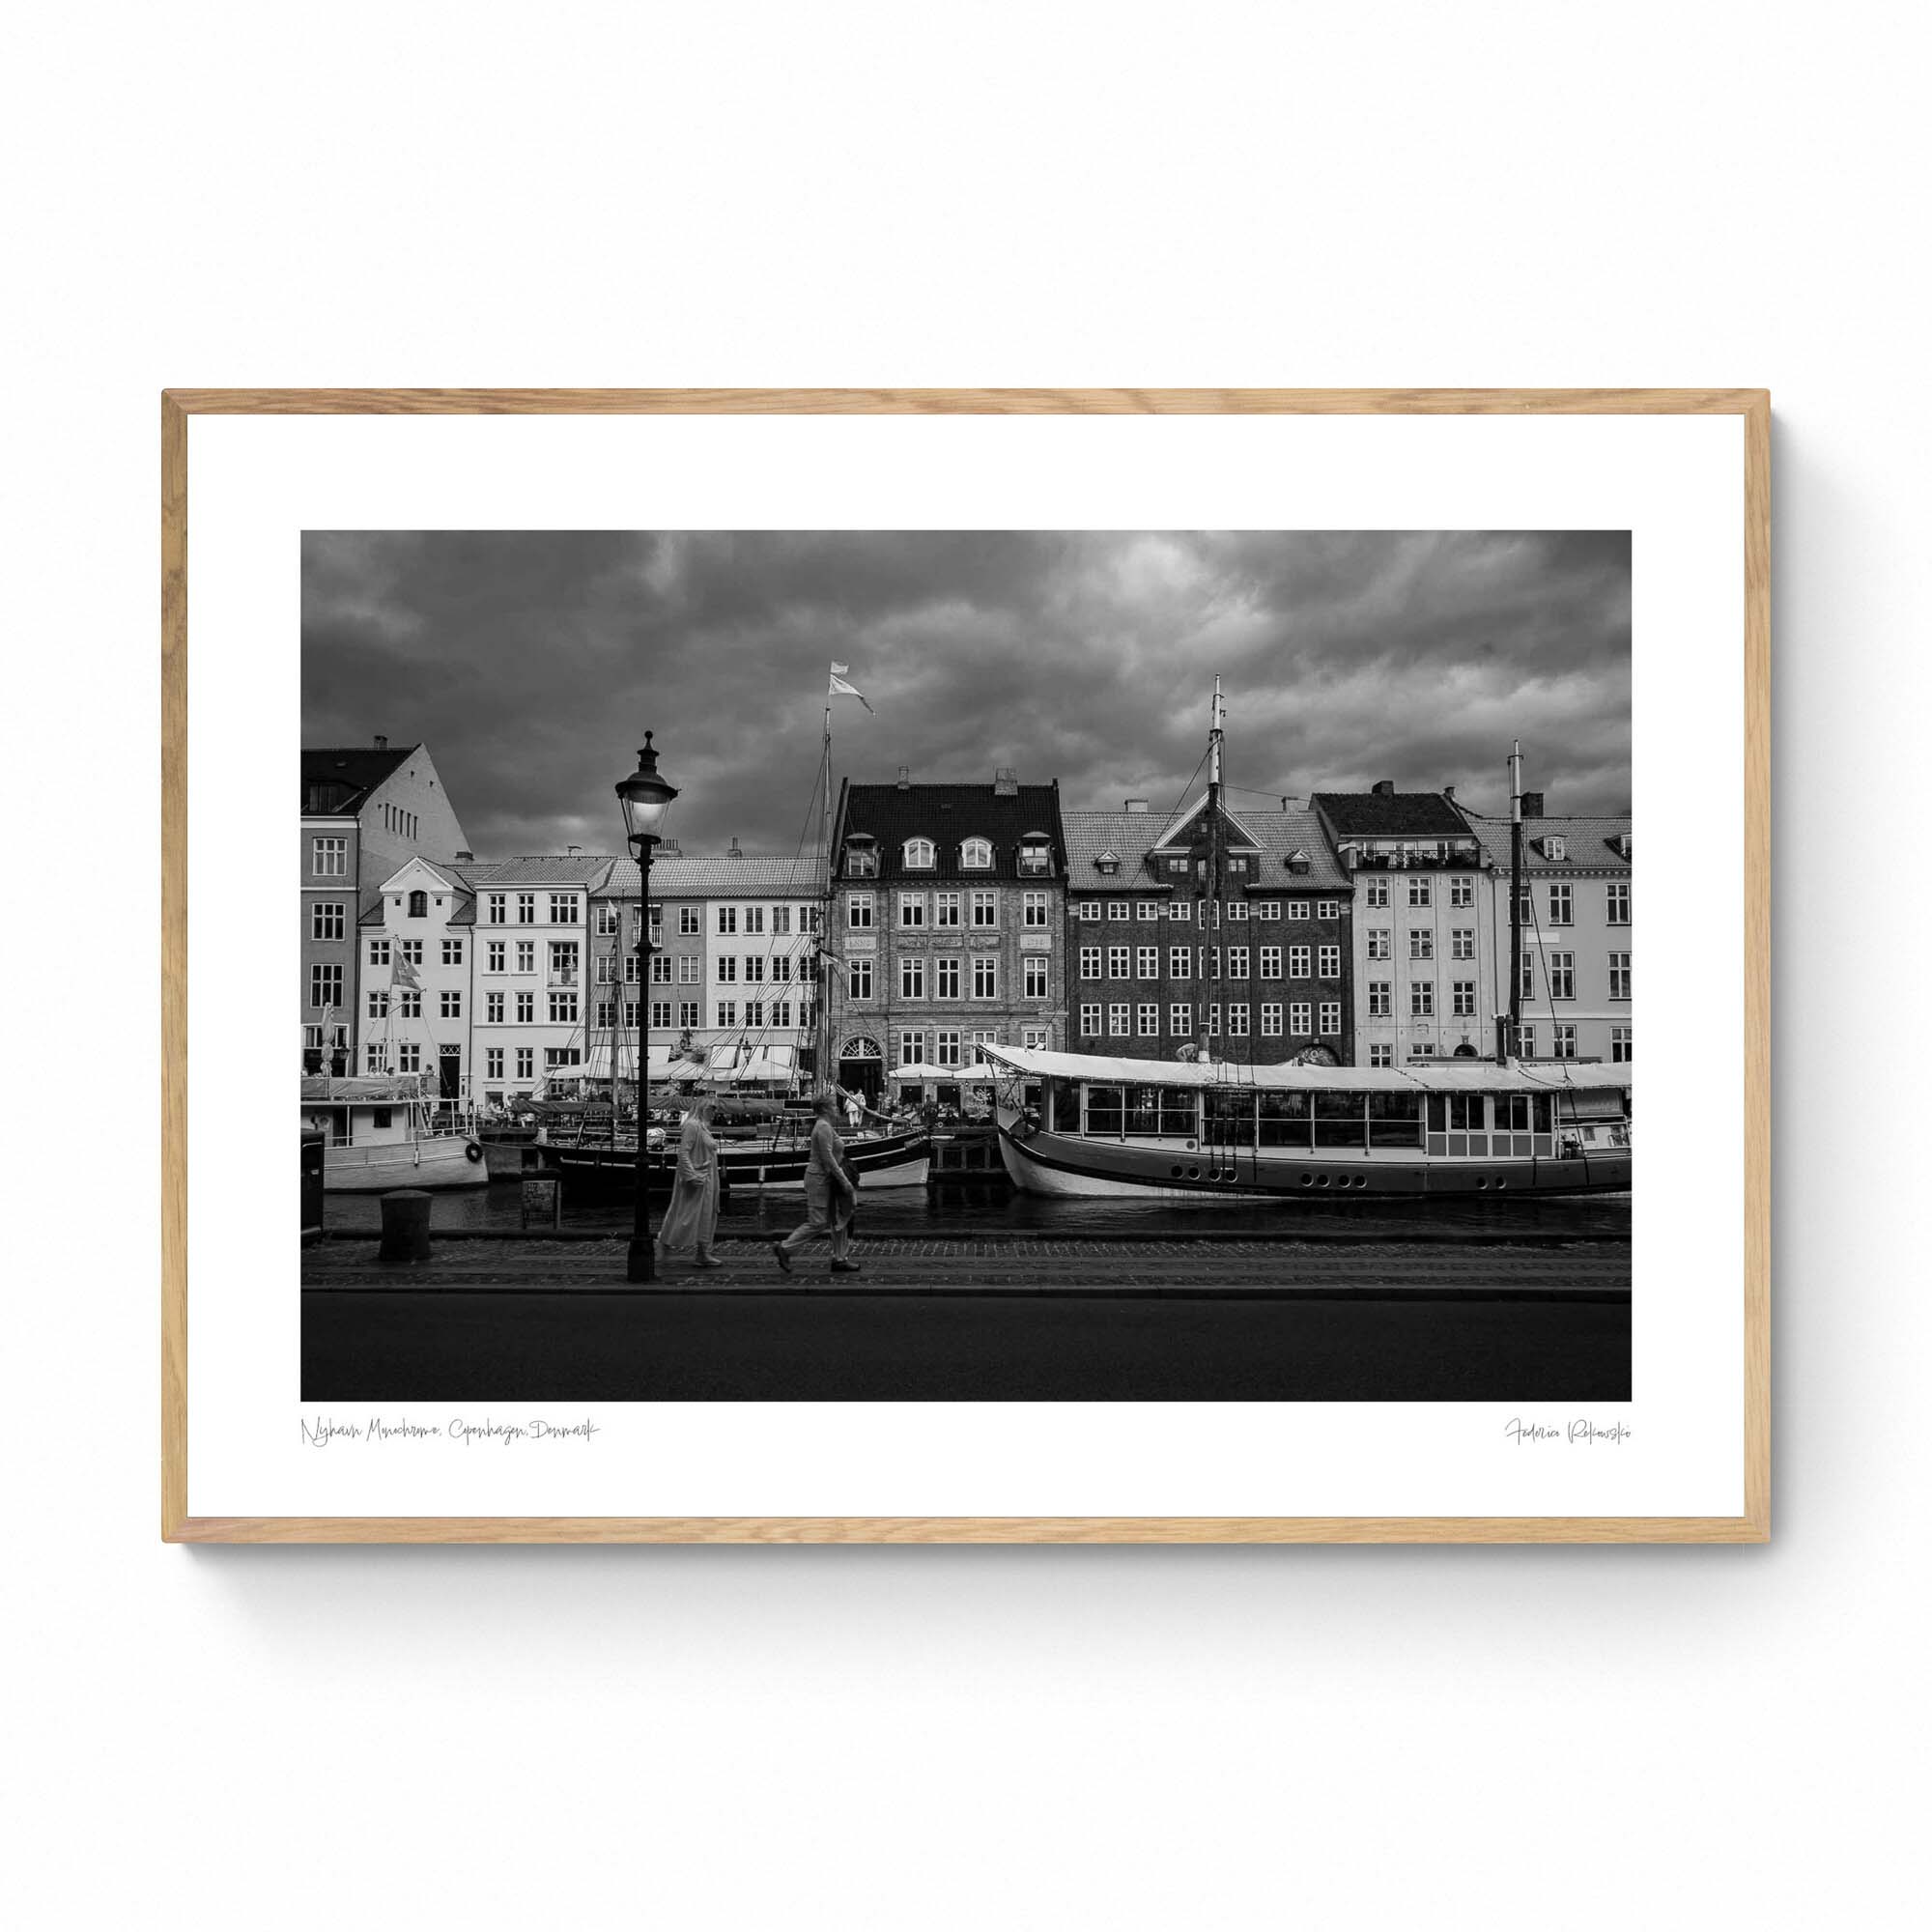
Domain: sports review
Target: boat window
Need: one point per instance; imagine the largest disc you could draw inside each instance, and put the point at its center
(1284, 1120)
(1455, 1112)
(1142, 1110)
(1176, 1112)
(1105, 1111)
(1395, 1120)
(1513, 1113)
(380, 1117)
(1065, 1097)
(1545, 1109)
(1341, 1121)
(1231, 1117)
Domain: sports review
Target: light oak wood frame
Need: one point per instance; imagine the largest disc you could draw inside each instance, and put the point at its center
(1751, 1526)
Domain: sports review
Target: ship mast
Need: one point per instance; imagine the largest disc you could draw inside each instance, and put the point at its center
(1516, 898)
(1212, 882)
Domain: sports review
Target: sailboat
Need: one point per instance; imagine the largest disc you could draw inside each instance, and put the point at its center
(882, 1152)
(1200, 1128)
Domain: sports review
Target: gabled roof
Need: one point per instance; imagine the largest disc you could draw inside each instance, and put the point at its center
(1401, 814)
(351, 771)
(800, 878)
(1131, 834)
(545, 868)
(1176, 833)
(948, 815)
(1586, 841)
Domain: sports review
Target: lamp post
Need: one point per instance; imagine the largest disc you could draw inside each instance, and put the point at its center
(645, 798)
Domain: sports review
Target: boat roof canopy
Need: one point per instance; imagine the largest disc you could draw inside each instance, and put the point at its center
(1442, 1076)
(364, 1090)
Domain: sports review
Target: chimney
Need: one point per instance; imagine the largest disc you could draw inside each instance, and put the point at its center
(1532, 804)
(465, 858)
(1136, 805)
(1006, 783)
(382, 742)
(571, 851)
(667, 849)
(1384, 787)
(734, 852)
(1449, 792)
(905, 778)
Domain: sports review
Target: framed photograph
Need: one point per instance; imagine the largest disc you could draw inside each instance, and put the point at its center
(966, 965)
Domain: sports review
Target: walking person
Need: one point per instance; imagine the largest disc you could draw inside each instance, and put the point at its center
(690, 1221)
(829, 1196)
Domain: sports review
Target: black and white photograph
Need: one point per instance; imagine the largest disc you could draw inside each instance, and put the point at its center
(1027, 965)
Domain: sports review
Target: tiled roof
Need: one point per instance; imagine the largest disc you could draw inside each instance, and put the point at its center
(544, 869)
(1129, 836)
(948, 815)
(1586, 841)
(1401, 814)
(358, 768)
(681, 878)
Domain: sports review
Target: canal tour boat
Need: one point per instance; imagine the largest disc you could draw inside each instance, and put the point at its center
(1073, 1123)
(383, 1130)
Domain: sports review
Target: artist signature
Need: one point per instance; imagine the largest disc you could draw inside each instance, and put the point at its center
(319, 1433)
(1581, 1431)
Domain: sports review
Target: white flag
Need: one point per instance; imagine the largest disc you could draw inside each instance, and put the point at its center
(838, 688)
(401, 972)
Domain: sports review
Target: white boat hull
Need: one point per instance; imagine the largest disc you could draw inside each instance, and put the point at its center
(446, 1161)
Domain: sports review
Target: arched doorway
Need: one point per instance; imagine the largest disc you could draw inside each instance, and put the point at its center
(862, 1068)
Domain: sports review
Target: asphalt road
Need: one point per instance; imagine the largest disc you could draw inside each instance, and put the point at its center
(444, 1342)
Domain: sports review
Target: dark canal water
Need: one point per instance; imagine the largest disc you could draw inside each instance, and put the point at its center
(959, 1210)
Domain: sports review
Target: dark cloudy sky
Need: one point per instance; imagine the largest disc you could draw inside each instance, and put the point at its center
(531, 664)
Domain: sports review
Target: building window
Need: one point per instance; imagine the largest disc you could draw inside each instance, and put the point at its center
(326, 921)
(1037, 1038)
(1375, 893)
(379, 953)
(411, 950)
(1181, 909)
(1462, 893)
(1087, 909)
(985, 976)
(918, 854)
(1237, 909)
(1526, 1041)
(1559, 905)
(661, 968)
(1120, 909)
(912, 1048)
(1380, 1053)
(450, 1005)
(1090, 962)
(1180, 962)
(755, 966)
(727, 1012)
(859, 912)
(1330, 966)
(1270, 962)
(726, 969)
(497, 909)
(1562, 970)
(1421, 999)
(1421, 943)
(1620, 976)
(1619, 907)
(912, 979)
(526, 1009)
(1463, 999)
(1421, 1049)
(1419, 892)
(1089, 1018)
(1237, 962)
(418, 905)
(1300, 1019)
(1564, 1046)
(607, 920)
(1332, 908)
(328, 859)
(859, 979)
(526, 1063)
(1331, 1017)
(1301, 961)
(492, 1063)
(1267, 909)
(976, 855)
(946, 909)
(379, 1008)
(1212, 1025)
(527, 908)
(1035, 909)
(324, 984)
(1147, 909)
(493, 1008)
(1380, 992)
(985, 910)
(1270, 1019)
(945, 979)
(1181, 1018)
(452, 953)
(688, 1013)
(1297, 908)
(1620, 1046)
(492, 956)
(946, 1045)
(912, 910)
(1119, 1015)
(409, 1055)
(1147, 962)
(605, 1015)
(563, 1010)
(1034, 975)
(1118, 958)
(1237, 1020)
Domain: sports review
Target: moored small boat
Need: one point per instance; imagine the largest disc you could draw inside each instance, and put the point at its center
(383, 1132)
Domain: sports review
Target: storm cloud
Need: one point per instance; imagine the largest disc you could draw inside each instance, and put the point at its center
(531, 662)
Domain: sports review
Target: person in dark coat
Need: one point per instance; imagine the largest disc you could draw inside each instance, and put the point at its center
(829, 1195)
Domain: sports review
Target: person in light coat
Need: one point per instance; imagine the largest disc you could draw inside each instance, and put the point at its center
(830, 1196)
(690, 1221)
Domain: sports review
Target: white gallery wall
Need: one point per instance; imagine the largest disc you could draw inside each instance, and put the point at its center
(1509, 195)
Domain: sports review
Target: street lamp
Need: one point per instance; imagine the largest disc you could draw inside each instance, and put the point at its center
(645, 798)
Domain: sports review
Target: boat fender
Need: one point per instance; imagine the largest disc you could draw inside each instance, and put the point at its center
(471, 1151)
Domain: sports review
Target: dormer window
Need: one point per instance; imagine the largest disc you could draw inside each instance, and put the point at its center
(1622, 844)
(1553, 849)
(976, 855)
(1236, 867)
(1299, 861)
(1178, 866)
(861, 859)
(1108, 862)
(919, 855)
(418, 905)
(1036, 854)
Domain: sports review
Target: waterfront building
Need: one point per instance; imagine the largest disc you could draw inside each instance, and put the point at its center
(365, 810)
(947, 927)
(532, 934)
(1161, 964)
(416, 943)
(1576, 929)
(1422, 954)
(734, 948)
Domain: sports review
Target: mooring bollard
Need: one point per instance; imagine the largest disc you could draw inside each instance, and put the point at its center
(405, 1228)
(543, 1198)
